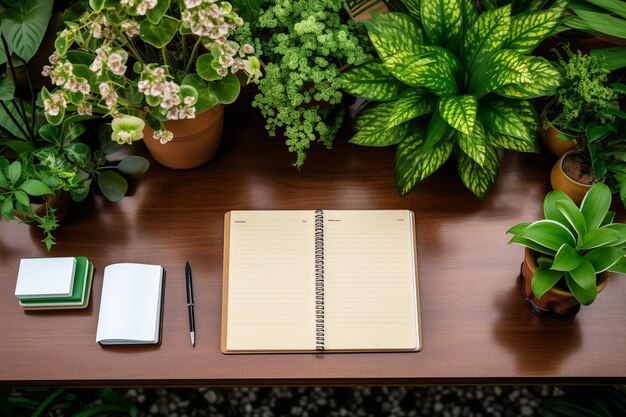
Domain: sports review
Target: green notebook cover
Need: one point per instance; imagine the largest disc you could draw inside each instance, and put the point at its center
(82, 275)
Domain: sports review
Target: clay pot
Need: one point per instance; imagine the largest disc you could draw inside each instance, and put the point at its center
(548, 134)
(560, 181)
(60, 202)
(196, 141)
(555, 300)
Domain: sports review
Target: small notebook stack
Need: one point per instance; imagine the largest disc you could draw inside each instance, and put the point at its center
(54, 283)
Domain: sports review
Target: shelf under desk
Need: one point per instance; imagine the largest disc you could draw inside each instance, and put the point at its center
(476, 326)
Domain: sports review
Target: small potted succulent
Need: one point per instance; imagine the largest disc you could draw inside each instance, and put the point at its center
(569, 253)
(159, 61)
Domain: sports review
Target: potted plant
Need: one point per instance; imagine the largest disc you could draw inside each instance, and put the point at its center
(161, 61)
(42, 166)
(449, 82)
(304, 45)
(584, 96)
(569, 253)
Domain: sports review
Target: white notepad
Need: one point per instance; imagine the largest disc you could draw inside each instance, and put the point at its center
(45, 277)
(130, 305)
(332, 280)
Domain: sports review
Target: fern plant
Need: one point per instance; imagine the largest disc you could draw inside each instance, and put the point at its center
(469, 71)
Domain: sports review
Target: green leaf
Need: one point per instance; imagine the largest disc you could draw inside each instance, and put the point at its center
(21, 198)
(7, 122)
(371, 81)
(459, 112)
(603, 258)
(599, 237)
(566, 259)
(474, 145)
(7, 88)
(552, 212)
(7, 208)
(14, 171)
(518, 228)
(81, 190)
(498, 140)
(156, 13)
(134, 165)
(413, 7)
(97, 5)
(35, 188)
(24, 24)
(614, 6)
(112, 185)
(486, 35)
(413, 165)
(226, 90)
(573, 215)
(437, 133)
(373, 128)
(620, 228)
(615, 57)
(619, 266)
(509, 117)
(392, 32)
(158, 35)
(502, 68)
(582, 283)
(47, 402)
(544, 80)
(412, 103)
(79, 153)
(550, 234)
(73, 131)
(532, 245)
(544, 279)
(206, 99)
(102, 409)
(529, 29)
(603, 23)
(204, 67)
(19, 146)
(432, 67)
(478, 179)
(443, 22)
(595, 205)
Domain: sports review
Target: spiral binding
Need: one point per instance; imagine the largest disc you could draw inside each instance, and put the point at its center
(319, 280)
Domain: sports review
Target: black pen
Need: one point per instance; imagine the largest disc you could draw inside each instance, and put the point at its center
(192, 324)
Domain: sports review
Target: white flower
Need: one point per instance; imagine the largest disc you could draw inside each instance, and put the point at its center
(127, 129)
(96, 30)
(85, 109)
(192, 3)
(163, 136)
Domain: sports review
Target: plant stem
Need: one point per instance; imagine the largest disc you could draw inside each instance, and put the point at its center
(15, 121)
(23, 114)
(164, 55)
(184, 42)
(193, 53)
(32, 98)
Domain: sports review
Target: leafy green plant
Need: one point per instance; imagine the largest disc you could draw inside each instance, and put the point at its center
(584, 96)
(586, 402)
(24, 23)
(155, 60)
(38, 402)
(574, 244)
(469, 71)
(606, 147)
(304, 45)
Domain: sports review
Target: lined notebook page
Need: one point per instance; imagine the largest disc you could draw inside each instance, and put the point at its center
(271, 281)
(370, 280)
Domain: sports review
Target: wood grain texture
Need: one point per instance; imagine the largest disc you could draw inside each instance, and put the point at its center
(476, 325)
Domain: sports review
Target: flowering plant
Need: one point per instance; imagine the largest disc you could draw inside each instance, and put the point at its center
(152, 60)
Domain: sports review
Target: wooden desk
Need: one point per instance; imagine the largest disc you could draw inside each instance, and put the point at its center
(476, 326)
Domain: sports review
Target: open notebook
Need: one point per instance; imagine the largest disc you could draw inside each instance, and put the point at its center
(329, 280)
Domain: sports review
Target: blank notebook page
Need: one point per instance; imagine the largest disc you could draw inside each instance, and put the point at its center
(271, 289)
(370, 280)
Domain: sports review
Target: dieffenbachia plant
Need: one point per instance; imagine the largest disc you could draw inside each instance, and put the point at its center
(470, 72)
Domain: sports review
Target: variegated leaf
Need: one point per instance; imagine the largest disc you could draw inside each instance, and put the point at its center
(500, 140)
(413, 6)
(478, 179)
(474, 145)
(515, 118)
(443, 22)
(413, 103)
(469, 12)
(544, 80)
(502, 68)
(432, 67)
(488, 32)
(391, 33)
(459, 112)
(438, 132)
(529, 29)
(489, 4)
(372, 129)
(413, 165)
(372, 81)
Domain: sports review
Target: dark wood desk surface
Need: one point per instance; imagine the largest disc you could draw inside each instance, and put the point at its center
(476, 326)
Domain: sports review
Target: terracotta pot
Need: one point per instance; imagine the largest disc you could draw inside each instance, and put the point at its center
(560, 181)
(548, 134)
(60, 202)
(555, 300)
(196, 141)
